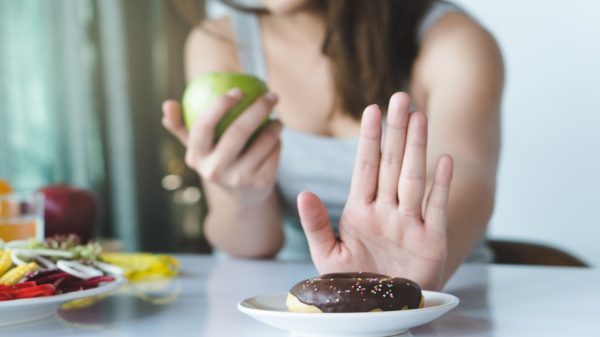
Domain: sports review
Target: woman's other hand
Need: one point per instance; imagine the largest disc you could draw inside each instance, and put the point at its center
(389, 224)
(247, 173)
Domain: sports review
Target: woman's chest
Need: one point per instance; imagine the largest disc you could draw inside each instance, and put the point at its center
(304, 83)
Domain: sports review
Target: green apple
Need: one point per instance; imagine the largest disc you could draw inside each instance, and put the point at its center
(202, 92)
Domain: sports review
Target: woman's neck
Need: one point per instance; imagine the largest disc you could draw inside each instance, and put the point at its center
(303, 26)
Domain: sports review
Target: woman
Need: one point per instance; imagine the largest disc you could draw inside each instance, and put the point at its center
(326, 61)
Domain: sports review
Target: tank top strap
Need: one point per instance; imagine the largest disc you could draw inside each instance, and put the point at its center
(246, 28)
(438, 9)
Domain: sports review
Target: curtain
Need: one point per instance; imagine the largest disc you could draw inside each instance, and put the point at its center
(81, 84)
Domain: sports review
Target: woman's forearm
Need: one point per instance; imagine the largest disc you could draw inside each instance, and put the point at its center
(469, 210)
(251, 229)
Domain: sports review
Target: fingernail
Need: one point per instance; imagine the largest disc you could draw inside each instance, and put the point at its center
(234, 92)
(370, 111)
(271, 97)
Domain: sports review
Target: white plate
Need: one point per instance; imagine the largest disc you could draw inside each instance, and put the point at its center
(32, 309)
(271, 310)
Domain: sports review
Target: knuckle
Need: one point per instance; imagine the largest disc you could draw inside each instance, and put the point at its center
(392, 159)
(410, 212)
(225, 102)
(366, 166)
(166, 124)
(259, 109)
(190, 160)
(263, 104)
(437, 202)
(237, 180)
(412, 175)
(201, 127)
(397, 126)
(204, 126)
(239, 130)
(210, 174)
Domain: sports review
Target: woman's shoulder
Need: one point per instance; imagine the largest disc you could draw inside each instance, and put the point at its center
(457, 26)
(211, 46)
(457, 43)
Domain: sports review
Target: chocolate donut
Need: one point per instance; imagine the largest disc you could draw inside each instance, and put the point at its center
(354, 292)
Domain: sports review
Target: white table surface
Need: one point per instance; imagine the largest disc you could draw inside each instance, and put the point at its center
(499, 301)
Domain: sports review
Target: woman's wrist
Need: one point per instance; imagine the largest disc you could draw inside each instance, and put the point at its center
(241, 199)
(245, 229)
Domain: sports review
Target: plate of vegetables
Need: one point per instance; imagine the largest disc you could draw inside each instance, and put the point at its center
(36, 277)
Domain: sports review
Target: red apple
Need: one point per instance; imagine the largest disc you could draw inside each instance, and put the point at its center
(69, 210)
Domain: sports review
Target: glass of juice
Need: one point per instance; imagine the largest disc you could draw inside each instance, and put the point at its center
(21, 216)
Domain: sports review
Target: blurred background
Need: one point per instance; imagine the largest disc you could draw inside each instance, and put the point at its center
(549, 174)
(82, 81)
(81, 86)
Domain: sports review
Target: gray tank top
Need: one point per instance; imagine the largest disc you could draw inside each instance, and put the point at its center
(311, 162)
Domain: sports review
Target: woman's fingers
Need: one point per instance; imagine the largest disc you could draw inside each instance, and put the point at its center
(318, 230)
(236, 136)
(258, 151)
(202, 133)
(366, 166)
(437, 204)
(205, 126)
(266, 173)
(411, 186)
(393, 148)
(172, 120)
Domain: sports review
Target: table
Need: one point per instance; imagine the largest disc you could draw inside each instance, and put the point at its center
(499, 301)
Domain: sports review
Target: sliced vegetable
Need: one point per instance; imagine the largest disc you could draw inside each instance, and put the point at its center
(14, 257)
(26, 290)
(77, 269)
(47, 264)
(37, 291)
(41, 273)
(109, 268)
(95, 281)
(17, 273)
(72, 243)
(47, 276)
(46, 252)
(5, 261)
(33, 268)
(18, 286)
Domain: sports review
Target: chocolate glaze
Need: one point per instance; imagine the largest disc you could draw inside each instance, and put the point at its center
(358, 292)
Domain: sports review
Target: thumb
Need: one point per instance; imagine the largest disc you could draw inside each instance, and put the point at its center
(172, 120)
(315, 221)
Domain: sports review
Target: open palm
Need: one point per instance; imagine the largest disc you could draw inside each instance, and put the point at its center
(386, 226)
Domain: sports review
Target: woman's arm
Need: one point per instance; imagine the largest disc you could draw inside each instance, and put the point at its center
(458, 81)
(244, 217)
(412, 210)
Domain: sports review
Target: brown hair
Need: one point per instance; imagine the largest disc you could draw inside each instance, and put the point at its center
(372, 45)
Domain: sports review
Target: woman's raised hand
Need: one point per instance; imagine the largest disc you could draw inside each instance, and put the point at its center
(387, 225)
(246, 172)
